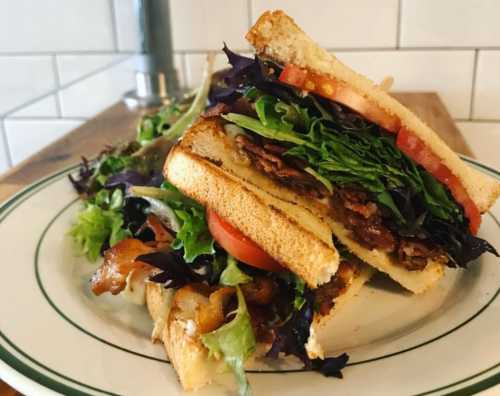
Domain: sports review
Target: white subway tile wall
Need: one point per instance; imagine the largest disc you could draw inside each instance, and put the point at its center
(46, 107)
(450, 23)
(56, 25)
(127, 25)
(64, 61)
(421, 71)
(73, 67)
(476, 134)
(23, 79)
(4, 151)
(204, 25)
(487, 89)
(341, 23)
(38, 132)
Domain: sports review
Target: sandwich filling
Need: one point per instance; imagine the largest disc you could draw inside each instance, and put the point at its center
(231, 293)
(388, 196)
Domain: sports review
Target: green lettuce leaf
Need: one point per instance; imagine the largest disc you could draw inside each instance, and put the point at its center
(193, 235)
(156, 124)
(232, 275)
(94, 227)
(337, 154)
(299, 299)
(256, 126)
(234, 342)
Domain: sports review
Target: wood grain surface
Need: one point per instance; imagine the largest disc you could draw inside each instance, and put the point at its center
(117, 124)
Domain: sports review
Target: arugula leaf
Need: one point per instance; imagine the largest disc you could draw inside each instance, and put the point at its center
(154, 125)
(299, 300)
(193, 235)
(234, 342)
(232, 275)
(94, 227)
(320, 178)
(256, 126)
(340, 155)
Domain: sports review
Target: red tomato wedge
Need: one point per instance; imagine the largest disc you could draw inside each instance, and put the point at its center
(416, 149)
(238, 245)
(339, 92)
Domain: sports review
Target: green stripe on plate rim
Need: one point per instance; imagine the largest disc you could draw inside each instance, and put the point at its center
(41, 378)
(90, 334)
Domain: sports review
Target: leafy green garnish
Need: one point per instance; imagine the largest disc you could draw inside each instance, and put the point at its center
(154, 125)
(94, 227)
(193, 235)
(337, 155)
(232, 275)
(198, 105)
(299, 299)
(234, 342)
(258, 127)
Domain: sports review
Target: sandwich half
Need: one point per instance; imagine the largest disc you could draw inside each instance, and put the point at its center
(298, 124)
(228, 271)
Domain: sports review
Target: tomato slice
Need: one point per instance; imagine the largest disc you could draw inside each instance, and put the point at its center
(416, 149)
(339, 92)
(409, 143)
(238, 245)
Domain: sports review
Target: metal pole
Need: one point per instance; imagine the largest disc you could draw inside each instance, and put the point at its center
(156, 77)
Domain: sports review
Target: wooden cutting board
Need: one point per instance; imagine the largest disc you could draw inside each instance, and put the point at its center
(117, 124)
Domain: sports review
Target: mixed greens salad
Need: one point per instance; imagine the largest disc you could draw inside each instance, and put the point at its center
(124, 185)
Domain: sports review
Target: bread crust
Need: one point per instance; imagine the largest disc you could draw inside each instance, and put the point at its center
(207, 139)
(275, 35)
(285, 231)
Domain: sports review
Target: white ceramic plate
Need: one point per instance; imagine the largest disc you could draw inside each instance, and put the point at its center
(57, 337)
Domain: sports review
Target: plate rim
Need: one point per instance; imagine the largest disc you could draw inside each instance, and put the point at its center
(27, 378)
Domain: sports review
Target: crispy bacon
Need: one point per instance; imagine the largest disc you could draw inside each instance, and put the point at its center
(154, 224)
(363, 218)
(206, 307)
(326, 294)
(268, 160)
(119, 261)
(413, 254)
(260, 291)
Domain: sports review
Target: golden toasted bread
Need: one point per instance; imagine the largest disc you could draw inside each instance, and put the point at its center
(208, 166)
(276, 36)
(201, 167)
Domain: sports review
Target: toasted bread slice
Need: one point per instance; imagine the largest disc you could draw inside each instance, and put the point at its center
(276, 36)
(182, 342)
(294, 236)
(207, 148)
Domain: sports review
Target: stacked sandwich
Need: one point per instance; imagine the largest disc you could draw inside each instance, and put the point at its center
(299, 180)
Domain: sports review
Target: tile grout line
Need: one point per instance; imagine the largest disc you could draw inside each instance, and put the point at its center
(398, 25)
(184, 69)
(347, 49)
(57, 78)
(473, 85)
(114, 24)
(478, 120)
(84, 52)
(47, 118)
(6, 144)
(64, 86)
(204, 51)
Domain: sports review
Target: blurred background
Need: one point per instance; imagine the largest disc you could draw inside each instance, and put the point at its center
(64, 61)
